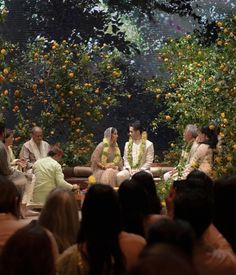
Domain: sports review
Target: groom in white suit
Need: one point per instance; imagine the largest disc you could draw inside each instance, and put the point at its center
(138, 153)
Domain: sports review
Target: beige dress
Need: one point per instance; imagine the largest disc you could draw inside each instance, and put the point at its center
(107, 176)
(201, 159)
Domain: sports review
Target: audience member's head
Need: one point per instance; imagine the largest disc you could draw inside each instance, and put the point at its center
(4, 163)
(208, 136)
(177, 186)
(190, 132)
(8, 137)
(197, 174)
(172, 232)
(55, 152)
(225, 203)
(100, 228)
(196, 207)
(199, 180)
(101, 210)
(37, 134)
(30, 250)
(196, 180)
(9, 197)
(146, 181)
(60, 216)
(134, 206)
(162, 259)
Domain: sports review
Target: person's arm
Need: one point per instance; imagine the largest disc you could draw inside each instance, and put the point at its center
(96, 157)
(196, 159)
(25, 154)
(215, 238)
(120, 165)
(126, 162)
(60, 181)
(149, 158)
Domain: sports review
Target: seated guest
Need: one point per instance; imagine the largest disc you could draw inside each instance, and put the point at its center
(172, 232)
(60, 216)
(166, 233)
(195, 206)
(224, 195)
(48, 175)
(189, 136)
(134, 207)
(32, 150)
(146, 181)
(102, 247)
(195, 180)
(198, 180)
(154, 207)
(106, 159)
(9, 210)
(163, 259)
(8, 141)
(9, 172)
(202, 159)
(138, 211)
(31, 250)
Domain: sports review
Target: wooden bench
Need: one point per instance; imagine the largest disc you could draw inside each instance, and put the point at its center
(78, 175)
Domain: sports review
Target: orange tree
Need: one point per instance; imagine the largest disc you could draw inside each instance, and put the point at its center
(201, 88)
(63, 88)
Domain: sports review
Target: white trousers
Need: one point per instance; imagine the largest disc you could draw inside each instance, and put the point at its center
(29, 188)
(122, 176)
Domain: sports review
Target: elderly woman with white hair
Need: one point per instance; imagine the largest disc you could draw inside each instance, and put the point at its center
(106, 159)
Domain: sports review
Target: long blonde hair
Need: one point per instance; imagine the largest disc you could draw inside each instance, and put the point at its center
(60, 216)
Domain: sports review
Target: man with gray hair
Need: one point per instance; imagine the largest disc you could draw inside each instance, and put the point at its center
(35, 148)
(32, 150)
(189, 136)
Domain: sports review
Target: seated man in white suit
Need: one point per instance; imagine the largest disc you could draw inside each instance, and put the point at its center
(138, 153)
(191, 145)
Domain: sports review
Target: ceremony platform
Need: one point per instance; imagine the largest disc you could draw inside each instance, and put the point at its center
(79, 174)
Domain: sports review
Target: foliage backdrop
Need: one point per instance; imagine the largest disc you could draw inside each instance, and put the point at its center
(201, 89)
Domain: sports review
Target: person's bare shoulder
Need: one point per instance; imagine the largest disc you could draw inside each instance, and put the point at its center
(126, 237)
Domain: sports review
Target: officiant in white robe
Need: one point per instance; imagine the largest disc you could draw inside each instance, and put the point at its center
(33, 150)
(138, 153)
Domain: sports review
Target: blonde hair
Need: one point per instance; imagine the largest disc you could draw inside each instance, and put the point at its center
(60, 216)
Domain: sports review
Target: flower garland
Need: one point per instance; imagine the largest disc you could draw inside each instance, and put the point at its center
(104, 155)
(185, 155)
(141, 151)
